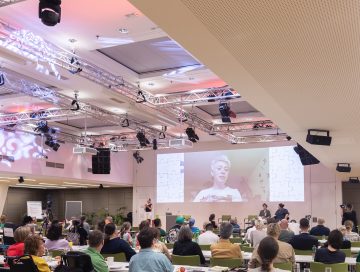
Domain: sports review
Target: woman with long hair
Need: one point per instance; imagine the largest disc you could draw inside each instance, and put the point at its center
(125, 233)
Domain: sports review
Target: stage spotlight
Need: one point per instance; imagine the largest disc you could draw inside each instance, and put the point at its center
(162, 135)
(154, 142)
(75, 105)
(52, 143)
(42, 127)
(354, 180)
(21, 179)
(50, 12)
(212, 131)
(318, 139)
(140, 98)
(192, 136)
(343, 167)
(125, 122)
(101, 186)
(137, 157)
(305, 157)
(224, 110)
(288, 138)
(142, 139)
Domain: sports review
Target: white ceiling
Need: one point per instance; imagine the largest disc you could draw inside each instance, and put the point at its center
(298, 62)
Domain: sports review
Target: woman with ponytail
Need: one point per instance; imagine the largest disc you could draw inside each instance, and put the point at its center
(267, 251)
(125, 233)
(114, 244)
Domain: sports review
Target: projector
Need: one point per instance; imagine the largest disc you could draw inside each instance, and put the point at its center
(84, 150)
(180, 143)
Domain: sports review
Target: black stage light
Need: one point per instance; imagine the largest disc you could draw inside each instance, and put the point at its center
(343, 167)
(50, 12)
(75, 105)
(125, 122)
(140, 98)
(101, 186)
(21, 179)
(354, 180)
(288, 138)
(137, 157)
(142, 139)
(305, 157)
(224, 110)
(154, 142)
(162, 135)
(318, 139)
(192, 136)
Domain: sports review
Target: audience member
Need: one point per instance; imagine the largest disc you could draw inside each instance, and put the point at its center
(224, 248)
(184, 246)
(208, 237)
(125, 233)
(331, 254)
(349, 214)
(285, 254)
(101, 226)
(281, 213)
(267, 251)
(250, 229)
(160, 246)
(85, 224)
(2, 221)
(96, 242)
(258, 234)
(294, 227)
(114, 244)
(346, 243)
(53, 238)
(20, 234)
(173, 232)
(236, 227)
(34, 246)
(108, 220)
(304, 241)
(320, 229)
(143, 224)
(157, 224)
(29, 221)
(192, 226)
(147, 259)
(78, 233)
(285, 234)
(349, 234)
(265, 213)
(212, 220)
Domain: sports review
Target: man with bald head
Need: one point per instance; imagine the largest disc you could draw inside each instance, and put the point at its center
(285, 234)
(320, 229)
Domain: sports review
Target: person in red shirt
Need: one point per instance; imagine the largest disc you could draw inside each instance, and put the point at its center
(20, 235)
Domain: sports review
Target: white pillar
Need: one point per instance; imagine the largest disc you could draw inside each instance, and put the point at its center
(3, 195)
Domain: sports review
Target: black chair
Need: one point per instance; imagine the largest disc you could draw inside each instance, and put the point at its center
(21, 264)
(77, 261)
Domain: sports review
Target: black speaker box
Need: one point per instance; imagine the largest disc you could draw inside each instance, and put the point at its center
(101, 161)
(305, 157)
(318, 139)
(343, 168)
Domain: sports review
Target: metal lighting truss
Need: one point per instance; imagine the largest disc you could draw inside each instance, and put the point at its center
(4, 3)
(49, 95)
(33, 47)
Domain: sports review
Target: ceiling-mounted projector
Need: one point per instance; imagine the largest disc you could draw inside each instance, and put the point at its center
(180, 143)
(84, 150)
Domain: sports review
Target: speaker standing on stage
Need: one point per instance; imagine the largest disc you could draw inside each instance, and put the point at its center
(265, 213)
(148, 206)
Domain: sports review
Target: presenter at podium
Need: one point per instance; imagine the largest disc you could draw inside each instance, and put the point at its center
(148, 209)
(219, 192)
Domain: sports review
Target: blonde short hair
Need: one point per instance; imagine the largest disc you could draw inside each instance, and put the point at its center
(348, 224)
(321, 221)
(21, 233)
(273, 230)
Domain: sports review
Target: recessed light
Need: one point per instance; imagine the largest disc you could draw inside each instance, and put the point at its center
(72, 40)
(151, 83)
(123, 30)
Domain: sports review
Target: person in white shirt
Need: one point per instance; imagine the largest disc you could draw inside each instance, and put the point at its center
(208, 237)
(219, 192)
(258, 234)
(294, 227)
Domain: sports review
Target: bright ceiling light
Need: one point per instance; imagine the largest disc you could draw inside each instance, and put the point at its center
(123, 30)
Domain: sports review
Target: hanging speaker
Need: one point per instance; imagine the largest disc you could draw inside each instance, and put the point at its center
(101, 161)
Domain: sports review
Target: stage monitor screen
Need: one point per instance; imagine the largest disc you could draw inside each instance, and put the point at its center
(259, 174)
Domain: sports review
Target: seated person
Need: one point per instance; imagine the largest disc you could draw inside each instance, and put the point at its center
(34, 246)
(265, 213)
(212, 220)
(114, 244)
(320, 229)
(285, 254)
(331, 254)
(285, 234)
(2, 221)
(20, 234)
(147, 259)
(267, 252)
(160, 246)
(236, 227)
(258, 234)
(249, 229)
(53, 238)
(184, 246)
(346, 243)
(294, 226)
(81, 236)
(157, 224)
(96, 242)
(281, 213)
(125, 233)
(101, 225)
(224, 248)
(304, 241)
(173, 232)
(192, 226)
(29, 222)
(208, 237)
(108, 220)
(349, 234)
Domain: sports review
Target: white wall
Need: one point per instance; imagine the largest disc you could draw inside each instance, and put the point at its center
(322, 192)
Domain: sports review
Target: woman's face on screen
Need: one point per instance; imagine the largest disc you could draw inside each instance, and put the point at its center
(220, 172)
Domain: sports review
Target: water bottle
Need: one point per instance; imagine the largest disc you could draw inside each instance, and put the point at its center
(313, 251)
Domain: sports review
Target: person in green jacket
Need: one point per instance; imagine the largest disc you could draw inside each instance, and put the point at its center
(96, 242)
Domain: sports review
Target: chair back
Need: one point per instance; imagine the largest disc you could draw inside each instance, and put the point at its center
(321, 237)
(303, 252)
(252, 217)
(135, 229)
(78, 260)
(56, 252)
(284, 266)
(320, 267)
(225, 218)
(237, 240)
(347, 251)
(226, 262)
(193, 260)
(169, 245)
(247, 248)
(205, 247)
(357, 268)
(118, 257)
(355, 244)
(21, 264)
